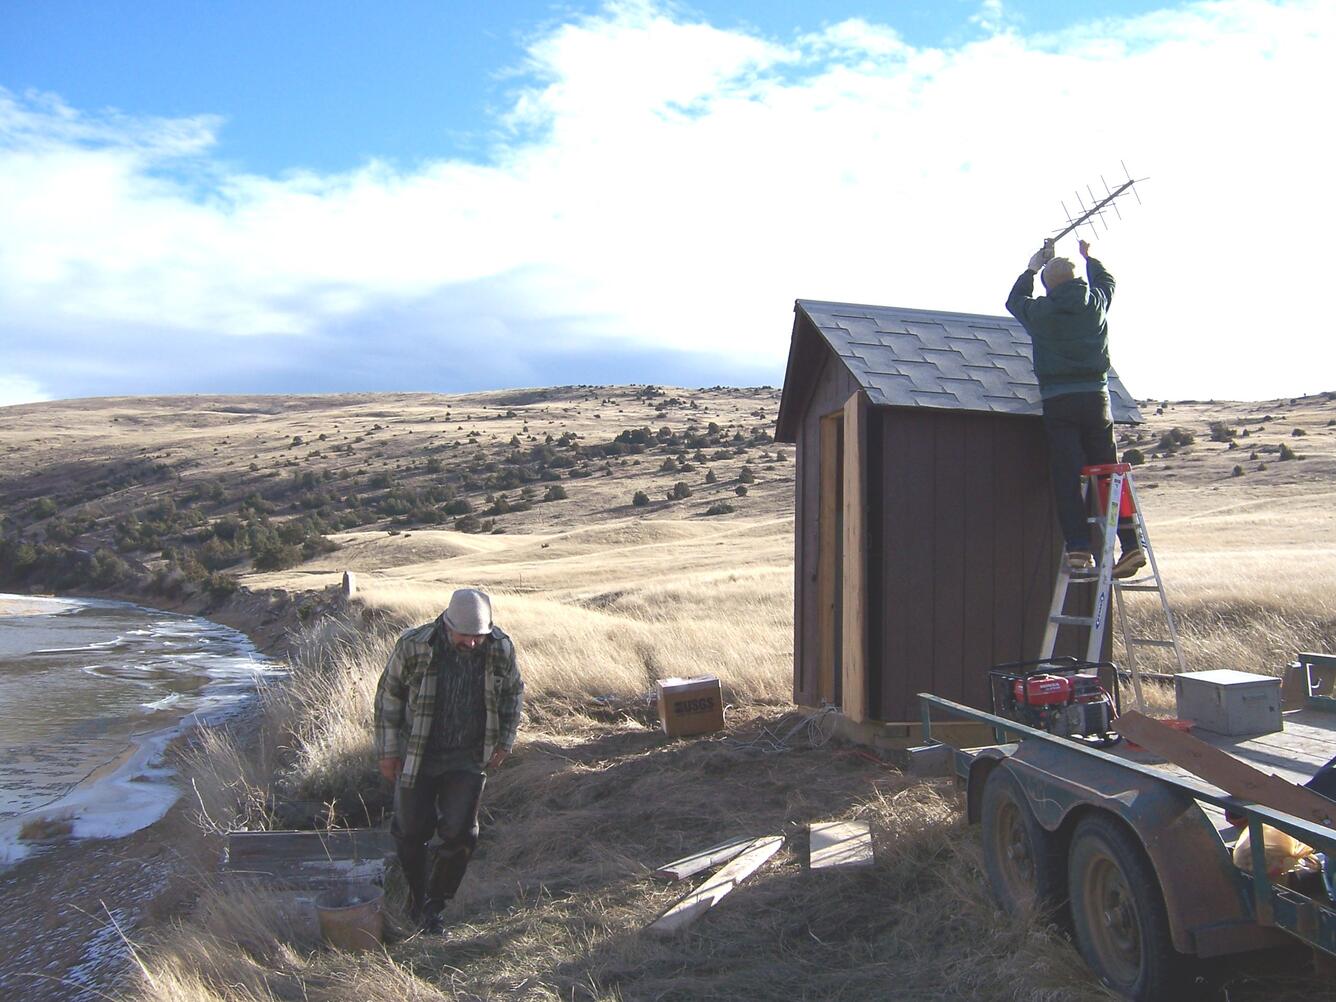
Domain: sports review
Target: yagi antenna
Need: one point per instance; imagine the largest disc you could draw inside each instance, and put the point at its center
(1089, 215)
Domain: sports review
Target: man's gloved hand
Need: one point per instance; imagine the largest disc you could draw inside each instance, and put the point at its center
(1084, 247)
(1041, 257)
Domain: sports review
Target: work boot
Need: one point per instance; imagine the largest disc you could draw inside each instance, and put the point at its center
(1129, 563)
(1080, 561)
(431, 923)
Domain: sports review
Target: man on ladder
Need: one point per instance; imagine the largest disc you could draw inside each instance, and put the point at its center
(1070, 333)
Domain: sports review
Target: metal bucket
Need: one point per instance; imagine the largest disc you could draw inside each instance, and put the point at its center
(351, 918)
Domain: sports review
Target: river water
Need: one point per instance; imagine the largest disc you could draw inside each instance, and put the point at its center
(91, 693)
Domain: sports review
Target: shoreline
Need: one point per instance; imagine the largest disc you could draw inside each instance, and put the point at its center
(66, 909)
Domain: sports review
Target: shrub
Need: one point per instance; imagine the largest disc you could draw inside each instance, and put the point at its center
(741, 490)
(468, 523)
(275, 555)
(1174, 439)
(1134, 456)
(42, 508)
(1298, 433)
(747, 476)
(680, 491)
(555, 493)
(1238, 472)
(1221, 432)
(710, 478)
(107, 569)
(220, 586)
(1287, 453)
(640, 499)
(720, 508)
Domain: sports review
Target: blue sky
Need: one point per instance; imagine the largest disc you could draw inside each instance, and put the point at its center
(329, 84)
(325, 196)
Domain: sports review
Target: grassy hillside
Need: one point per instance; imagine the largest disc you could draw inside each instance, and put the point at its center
(603, 596)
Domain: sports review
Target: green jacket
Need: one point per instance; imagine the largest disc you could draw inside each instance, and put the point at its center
(406, 698)
(1068, 327)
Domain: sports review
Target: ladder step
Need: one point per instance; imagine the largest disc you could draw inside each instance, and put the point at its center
(1147, 642)
(1138, 587)
(1072, 620)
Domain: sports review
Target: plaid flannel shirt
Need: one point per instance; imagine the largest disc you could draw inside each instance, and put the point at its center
(406, 698)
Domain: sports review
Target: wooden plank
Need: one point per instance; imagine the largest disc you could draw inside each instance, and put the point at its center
(804, 556)
(710, 893)
(840, 843)
(827, 554)
(853, 662)
(1221, 769)
(687, 866)
(247, 850)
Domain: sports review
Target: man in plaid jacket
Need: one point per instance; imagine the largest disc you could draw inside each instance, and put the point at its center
(447, 710)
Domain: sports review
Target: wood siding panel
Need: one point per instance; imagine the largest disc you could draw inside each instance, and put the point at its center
(915, 556)
(969, 546)
(1011, 489)
(854, 606)
(950, 569)
(831, 389)
(978, 645)
(897, 586)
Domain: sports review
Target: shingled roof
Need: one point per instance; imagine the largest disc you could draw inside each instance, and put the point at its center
(924, 358)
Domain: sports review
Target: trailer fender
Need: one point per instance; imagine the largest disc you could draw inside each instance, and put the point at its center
(984, 762)
(1209, 911)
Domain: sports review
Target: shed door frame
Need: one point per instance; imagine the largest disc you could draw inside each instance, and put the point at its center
(830, 562)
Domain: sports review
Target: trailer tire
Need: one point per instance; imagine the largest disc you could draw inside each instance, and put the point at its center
(1023, 860)
(1118, 913)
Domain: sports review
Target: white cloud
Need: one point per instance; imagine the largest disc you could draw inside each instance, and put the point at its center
(660, 184)
(20, 390)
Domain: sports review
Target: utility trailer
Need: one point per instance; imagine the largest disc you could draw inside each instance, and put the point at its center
(1135, 859)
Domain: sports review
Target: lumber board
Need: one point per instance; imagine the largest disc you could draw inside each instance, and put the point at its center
(250, 850)
(853, 662)
(689, 866)
(707, 895)
(840, 844)
(1221, 769)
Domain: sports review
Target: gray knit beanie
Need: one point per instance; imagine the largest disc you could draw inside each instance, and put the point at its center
(470, 612)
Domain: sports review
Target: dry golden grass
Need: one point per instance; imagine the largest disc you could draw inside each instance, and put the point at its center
(595, 797)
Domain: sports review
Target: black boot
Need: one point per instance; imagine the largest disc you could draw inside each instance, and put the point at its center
(430, 921)
(413, 863)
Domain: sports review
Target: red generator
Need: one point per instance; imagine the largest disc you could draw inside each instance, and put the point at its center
(1073, 699)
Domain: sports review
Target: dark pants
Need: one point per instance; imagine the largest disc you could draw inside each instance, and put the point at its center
(445, 806)
(1080, 433)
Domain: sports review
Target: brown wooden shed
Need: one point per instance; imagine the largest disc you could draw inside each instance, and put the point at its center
(926, 542)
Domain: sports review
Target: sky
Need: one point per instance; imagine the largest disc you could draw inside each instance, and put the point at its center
(246, 197)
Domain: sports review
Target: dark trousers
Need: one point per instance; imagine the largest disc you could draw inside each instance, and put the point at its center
(1080, 433)
(445, 806)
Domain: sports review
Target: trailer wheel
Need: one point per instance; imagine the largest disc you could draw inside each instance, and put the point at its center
(1022, 859)
(1118, 913)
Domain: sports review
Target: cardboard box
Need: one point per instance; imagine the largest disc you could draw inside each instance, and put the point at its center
(1229, 702)
(690, 705)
